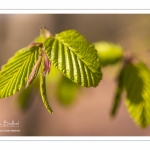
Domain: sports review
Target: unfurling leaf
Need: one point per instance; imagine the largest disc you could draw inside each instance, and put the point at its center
(108, 53)
(16, 72)
(77, 59)
(34, 71)
(47, 63)
(119, 90)
(137, 84)
(43, 89)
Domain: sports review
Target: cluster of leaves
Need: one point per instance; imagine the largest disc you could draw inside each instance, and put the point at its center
(68, 51)
(134, 79)
(79, 62)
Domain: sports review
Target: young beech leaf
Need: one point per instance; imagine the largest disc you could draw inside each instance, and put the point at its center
(77, 59)
(108, 53)
(43, 89)
(137, 84)
(16, 72)
(119, 90)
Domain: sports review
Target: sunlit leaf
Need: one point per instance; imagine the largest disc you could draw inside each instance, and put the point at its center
(137, 85)
(77, 59)
(66, 91)
(16, 72)
(108, 53)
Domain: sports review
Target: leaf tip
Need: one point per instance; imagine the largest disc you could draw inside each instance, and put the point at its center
(52, 112)
(26, 86)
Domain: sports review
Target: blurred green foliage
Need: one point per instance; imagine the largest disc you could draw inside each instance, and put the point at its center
(134, 78)
(108, 53)
(26, 96)
(66, 91)
(137, 85)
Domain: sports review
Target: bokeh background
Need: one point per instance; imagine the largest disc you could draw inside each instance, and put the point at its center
(89, 113)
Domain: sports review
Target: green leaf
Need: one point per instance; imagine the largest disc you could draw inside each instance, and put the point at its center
(66, 91)
(137, 85)
(119, 90)
(15, 73)
(43, 90)
(108, 53)
(77, 59)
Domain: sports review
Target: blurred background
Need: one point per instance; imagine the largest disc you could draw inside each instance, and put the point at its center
(89, 113)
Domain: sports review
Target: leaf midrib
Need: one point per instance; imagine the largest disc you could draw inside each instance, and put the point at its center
(72, 50)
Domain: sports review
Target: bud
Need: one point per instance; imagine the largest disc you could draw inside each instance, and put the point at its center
(44, 32)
